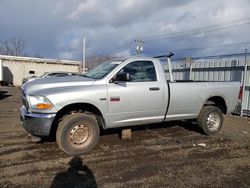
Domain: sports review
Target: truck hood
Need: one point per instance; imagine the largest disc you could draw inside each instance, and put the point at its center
(39, 85)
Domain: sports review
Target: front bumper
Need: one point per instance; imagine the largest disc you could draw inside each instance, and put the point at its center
(35, 123)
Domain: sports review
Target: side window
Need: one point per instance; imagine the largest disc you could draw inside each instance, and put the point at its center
(140, 71)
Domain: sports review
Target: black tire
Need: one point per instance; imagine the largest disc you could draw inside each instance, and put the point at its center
(210, 120)
(77, 133)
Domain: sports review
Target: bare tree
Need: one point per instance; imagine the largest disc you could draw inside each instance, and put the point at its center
(14, 46)
(1, 50)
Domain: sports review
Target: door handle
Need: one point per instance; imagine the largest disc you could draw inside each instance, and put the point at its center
(154, 88)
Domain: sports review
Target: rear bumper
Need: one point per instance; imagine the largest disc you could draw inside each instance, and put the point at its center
(36, 124)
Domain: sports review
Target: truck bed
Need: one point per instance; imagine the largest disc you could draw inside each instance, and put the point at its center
(187, 97)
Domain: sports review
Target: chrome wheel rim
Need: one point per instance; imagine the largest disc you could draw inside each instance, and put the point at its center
(213, 121)
(80, 136)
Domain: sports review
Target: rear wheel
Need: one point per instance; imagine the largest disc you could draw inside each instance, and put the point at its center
(210, 119)
(77, 133)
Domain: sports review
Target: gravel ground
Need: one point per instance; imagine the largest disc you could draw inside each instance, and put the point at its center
(172, 154)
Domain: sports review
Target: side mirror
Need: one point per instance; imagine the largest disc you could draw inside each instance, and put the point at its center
(121, 77)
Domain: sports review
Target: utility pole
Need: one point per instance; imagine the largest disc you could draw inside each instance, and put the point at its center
(83, 54)
(243, 84)
(139, 46)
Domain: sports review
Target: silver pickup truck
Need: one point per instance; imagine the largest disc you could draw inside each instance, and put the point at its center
(120, 93)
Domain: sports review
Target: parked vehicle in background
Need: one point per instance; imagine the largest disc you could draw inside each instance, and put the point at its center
(51, 74)
(120, 93)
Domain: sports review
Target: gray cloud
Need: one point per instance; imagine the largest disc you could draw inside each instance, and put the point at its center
(55, 28)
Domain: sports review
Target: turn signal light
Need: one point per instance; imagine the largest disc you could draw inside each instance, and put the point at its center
(44, 106)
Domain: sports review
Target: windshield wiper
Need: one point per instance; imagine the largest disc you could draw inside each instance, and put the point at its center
(86, 76)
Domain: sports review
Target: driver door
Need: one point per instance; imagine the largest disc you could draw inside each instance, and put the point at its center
(139, 100)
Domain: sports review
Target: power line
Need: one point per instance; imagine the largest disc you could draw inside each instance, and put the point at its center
(183, 49)
(216, 56)
(211, 28)
(216, 46)
(115, 50)
(95, 54)
(197, 29)
(205, 47)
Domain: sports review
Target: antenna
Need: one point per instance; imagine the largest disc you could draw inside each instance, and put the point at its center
(170, 54)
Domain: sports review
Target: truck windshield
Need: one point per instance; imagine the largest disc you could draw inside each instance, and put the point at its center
(102, 70)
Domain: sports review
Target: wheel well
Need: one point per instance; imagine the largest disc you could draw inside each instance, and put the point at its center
(217, 101)
(77, 107)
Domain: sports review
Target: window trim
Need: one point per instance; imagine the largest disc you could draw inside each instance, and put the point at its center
(142, 81)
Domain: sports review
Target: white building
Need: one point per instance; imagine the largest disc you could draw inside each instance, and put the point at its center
(14, 69)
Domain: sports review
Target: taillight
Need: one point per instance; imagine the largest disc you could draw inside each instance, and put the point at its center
(240, 93)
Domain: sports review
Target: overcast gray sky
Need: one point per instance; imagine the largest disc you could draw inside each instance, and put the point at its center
(54, 29)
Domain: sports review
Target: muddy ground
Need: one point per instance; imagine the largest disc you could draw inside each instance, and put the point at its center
(163, 155)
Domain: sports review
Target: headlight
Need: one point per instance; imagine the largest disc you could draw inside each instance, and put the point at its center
(40, 103)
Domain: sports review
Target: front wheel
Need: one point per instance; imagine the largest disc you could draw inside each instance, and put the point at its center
(210, 119)
(77, 133)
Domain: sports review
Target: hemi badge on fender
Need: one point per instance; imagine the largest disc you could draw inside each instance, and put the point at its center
(102, 99)
(114, 99)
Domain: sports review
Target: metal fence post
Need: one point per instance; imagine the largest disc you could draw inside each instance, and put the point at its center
(190, 70)
(1, 70)
(243, 84)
